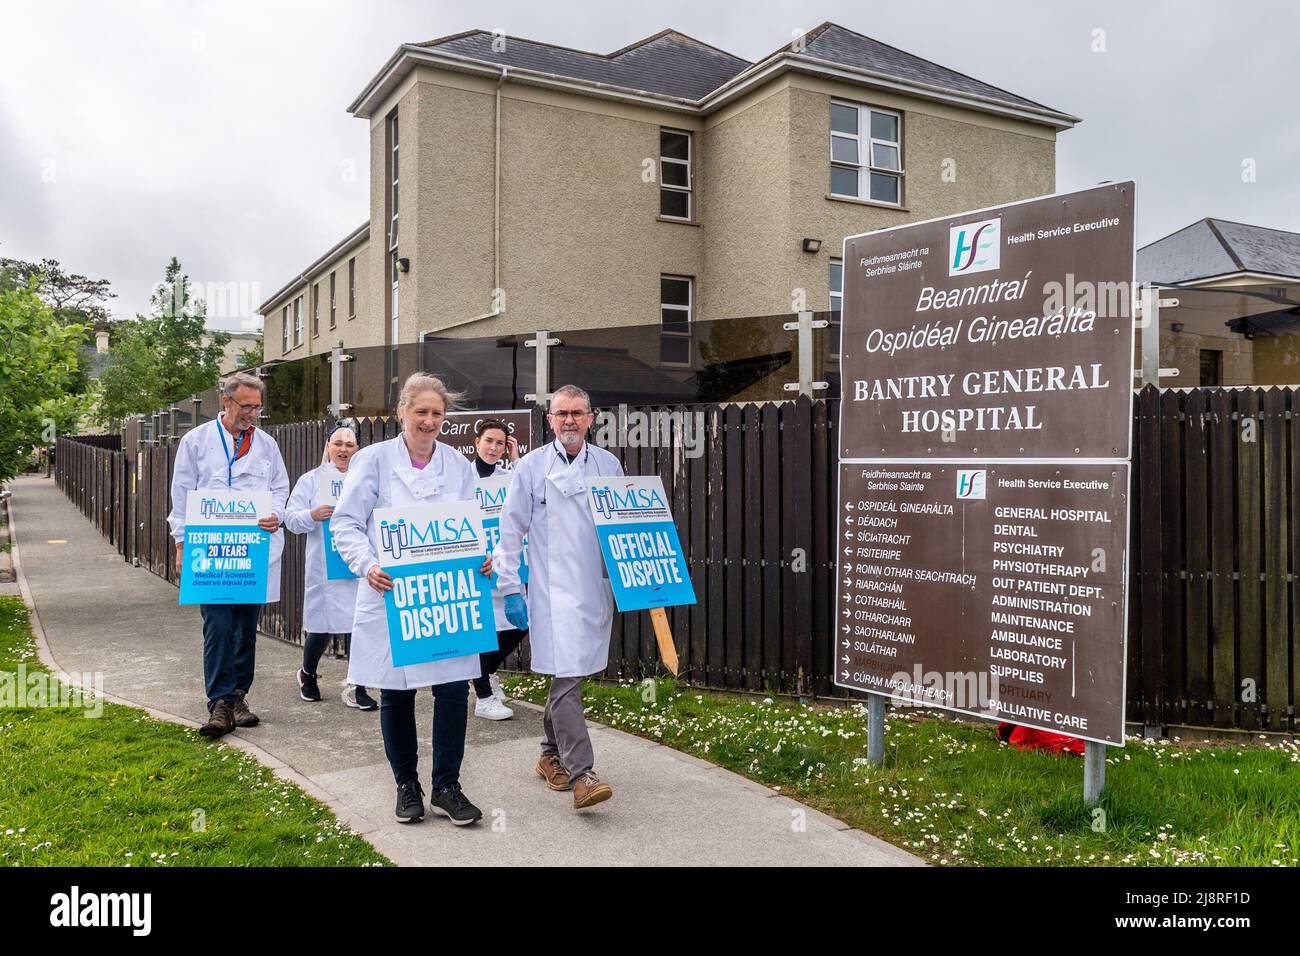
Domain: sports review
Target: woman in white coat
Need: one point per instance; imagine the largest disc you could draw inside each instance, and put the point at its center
(413, 468)
(327, 606)
(496, 452)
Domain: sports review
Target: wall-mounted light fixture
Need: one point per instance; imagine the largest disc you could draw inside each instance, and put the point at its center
(812, 245)
(403, 265)
(1177, 326)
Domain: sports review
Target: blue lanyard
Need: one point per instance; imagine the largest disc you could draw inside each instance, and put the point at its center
(238, 445)
(564, 456)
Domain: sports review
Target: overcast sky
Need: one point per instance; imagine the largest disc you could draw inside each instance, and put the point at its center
(218, 131)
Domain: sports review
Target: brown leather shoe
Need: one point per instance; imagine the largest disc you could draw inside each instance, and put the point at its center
(590, 790)
(220, 721)
(552, 771)
(242, 715)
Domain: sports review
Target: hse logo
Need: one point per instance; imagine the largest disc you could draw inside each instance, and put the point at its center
(970, 484)
(975, 247)
(234, 508)
(398, 537)
(489, 498)
(610, 500)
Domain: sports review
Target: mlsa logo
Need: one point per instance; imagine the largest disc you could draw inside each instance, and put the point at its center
(610, 500)
(209, 507)
(397, 537)
(975, 247)
(970, 485)
(336, 487)
(489, 498)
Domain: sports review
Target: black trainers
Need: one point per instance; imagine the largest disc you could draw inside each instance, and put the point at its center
(451, 802)
(308, 689)
(364, 700)
(410, 802)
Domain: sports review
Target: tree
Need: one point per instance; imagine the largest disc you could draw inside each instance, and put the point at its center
(72, 297)
(37, 364)
(160, 358)
(251, 355)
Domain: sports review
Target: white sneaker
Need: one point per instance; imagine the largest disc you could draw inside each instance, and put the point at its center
(497, 691)
(492, 709)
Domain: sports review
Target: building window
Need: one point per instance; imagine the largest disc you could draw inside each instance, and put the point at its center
(1211, 368)
(284, 321)
(866, 153)
(332, 305)
(392, 270)
(297, 322)
(392, 180)
(675, 304)
(315, 309)
(836, 285)
(352, 288)
(675, 174)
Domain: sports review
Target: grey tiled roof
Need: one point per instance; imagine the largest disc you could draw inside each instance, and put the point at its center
(669, 63)
(830, 41)
(1216, 247)
(673, 64)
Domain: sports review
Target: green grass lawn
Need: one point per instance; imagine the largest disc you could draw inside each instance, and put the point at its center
(951, 793)
(125, 789)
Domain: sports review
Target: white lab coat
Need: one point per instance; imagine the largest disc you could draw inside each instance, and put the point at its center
(327, 606)
(570, 603)
(201, 463)
(381, 476)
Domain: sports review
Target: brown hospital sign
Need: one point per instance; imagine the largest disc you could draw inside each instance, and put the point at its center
(984, 476)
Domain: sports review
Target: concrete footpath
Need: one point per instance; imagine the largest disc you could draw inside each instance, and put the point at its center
(97, 613)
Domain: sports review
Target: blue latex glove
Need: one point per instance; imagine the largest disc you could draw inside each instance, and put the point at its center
(517, 611)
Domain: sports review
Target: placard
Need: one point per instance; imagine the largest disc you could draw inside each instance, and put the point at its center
(491, 496)
(639, 541)
(440, 605)
(329, 488)
(226, 556)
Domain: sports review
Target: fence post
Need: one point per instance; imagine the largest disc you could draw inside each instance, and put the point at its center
(337, 405)
(804, 326)
(542, 389)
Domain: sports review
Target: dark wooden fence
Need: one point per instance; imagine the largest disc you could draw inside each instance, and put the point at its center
(1214, 605)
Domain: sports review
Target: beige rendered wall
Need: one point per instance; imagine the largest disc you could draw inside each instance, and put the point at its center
(353, 333)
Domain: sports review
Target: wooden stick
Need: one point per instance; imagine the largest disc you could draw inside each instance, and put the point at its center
(664, 636)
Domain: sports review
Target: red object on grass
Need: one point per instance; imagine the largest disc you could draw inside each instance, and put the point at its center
(1026, 738)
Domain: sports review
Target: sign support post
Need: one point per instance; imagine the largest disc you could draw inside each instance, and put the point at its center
(876, 729)
(1094, 772)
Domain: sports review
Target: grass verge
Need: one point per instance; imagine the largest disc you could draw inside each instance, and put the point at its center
(951, 793)
(122, 788)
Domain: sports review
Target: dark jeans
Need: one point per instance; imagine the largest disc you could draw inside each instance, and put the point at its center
(229, 649)
(507, 641)
(450, 717)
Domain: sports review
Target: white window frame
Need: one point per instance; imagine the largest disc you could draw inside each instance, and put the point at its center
(393, 138)
(864, 137)
(284, 321)
(352, 287)
(689, 163)
(333, 301)
(394, 301)
(315, 309)
(297, 322)
(689, 309)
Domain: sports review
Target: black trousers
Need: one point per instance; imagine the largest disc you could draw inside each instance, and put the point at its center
(450, 718)
(507, 641)
(229, 649)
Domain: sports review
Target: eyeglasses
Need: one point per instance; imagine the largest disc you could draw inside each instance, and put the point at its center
(248, 409)
(574, 415)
